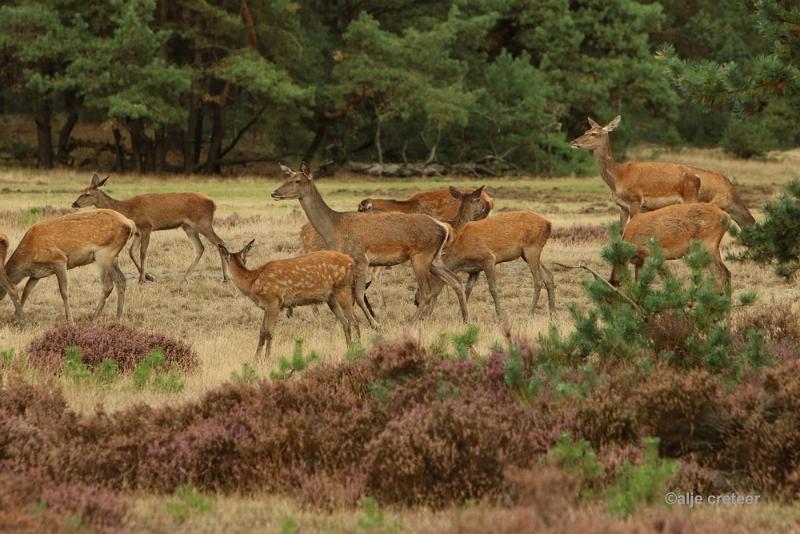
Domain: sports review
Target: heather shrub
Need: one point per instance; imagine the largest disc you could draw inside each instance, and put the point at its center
(96, 341)
(579, 234)
(187, 502)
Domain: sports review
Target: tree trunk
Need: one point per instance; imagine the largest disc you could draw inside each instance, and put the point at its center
(189, 139)
(215, 142)
(44, 133)
(119, 152)
(160, 148)
(71, 103)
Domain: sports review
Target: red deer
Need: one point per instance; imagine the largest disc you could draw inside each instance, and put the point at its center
(674, 228)
(376, 239)
(53, 246)
(5, 285)
(438, 203)
(644, 186)
(314, 278)
(482, 244)
(194, 212)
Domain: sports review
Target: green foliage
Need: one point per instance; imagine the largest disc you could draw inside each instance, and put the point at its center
(776, 240)
(380, 391)
(645, 483)
(27, 218)
(297, 362)
(187, 502)
(289, 525)
(578, 458)
(107, 372)
(372, 520)
(7, 356)
(144, 371)
(74, 368)
(169, 383)
(248, 374)
(355, 352)
(463, 342)
(658, 315)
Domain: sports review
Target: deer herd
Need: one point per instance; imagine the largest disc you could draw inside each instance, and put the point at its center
(441, 233)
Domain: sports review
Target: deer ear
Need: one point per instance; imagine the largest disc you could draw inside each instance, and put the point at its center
(223, 249)
(455, 193)
(102, 182)
(477, 193)
(305, 170)
(286, 169)
(95, 180)
(611, 126)
(364, 205)
(592, 123)
(247, 247)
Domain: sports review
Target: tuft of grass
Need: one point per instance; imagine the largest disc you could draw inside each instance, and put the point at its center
(107, 372)
(143, 372)
(247, 375)
(74, 368)
(188, 502)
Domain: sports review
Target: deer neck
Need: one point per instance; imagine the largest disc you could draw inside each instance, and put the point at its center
(605, 162)
(241, 275)
(321, 216)
(461, 220)
(105, 201)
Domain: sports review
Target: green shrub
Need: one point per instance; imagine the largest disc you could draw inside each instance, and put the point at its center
(579, 459)
(748, 138)
(297, 362)
(289, 525)
(107, 372)
(464, 341)
(645, 483)
(355, 352)
(247, 375)
(74, 368)
(372, 519)
(7, 356)
(141, 375)
(776, 240)
(187, 502)
(169, 383)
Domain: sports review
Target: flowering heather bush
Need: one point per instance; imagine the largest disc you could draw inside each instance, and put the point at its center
(580, 234)
(126, 345)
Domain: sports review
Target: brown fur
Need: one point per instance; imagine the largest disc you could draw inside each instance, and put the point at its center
(643, 186)
(376, 239)
(439, 204)
(480, 245)
(315, 278)
(674, 228)
(194, 212)
(5, 285)
(56, 245)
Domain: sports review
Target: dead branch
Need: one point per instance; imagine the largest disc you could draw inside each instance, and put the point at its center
(594, 273)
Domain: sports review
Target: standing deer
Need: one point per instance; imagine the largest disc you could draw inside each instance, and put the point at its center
(674, 228)
(314, 278)
(5, 285)
(643, 186)
(376, 239)
(194, 212)
(438, 203)
(56, 245)
(479, 245)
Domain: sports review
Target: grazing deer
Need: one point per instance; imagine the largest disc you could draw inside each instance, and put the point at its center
(644, 186)
(479, 245)
(674, 228)
(438, 203)
(56, 245)
(194, 212)
(5, 285)
(376, 239)
(314, 278)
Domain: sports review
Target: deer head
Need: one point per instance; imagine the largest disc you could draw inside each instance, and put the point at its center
(471, 207)
(89, 196)
(241, 255)
(596, 136)
(298, 185)
(365, 205)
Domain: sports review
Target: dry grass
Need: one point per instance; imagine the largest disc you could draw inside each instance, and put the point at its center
(222, 325)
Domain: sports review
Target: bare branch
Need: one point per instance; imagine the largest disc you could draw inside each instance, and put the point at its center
(594, 273)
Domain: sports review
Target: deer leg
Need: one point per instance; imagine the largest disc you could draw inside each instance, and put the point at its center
(333, 304)
(271, 312)
(136, 244)
(550, 285)
(60, 270)
(208, 231)
(29, 285)
(9, 288)
(107, 279)
(119, 283)
(344, 296)
(194, 237)
(472, 279)
(421, 264)
(377, 274)
(489, 270)
(448, 277)
(360, 285)
(144, 242)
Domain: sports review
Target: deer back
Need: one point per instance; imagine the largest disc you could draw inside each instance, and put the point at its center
(305, 278)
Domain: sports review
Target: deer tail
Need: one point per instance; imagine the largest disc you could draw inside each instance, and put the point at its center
(449, 237)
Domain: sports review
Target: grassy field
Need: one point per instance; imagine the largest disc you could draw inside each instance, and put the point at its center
(222, 325)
